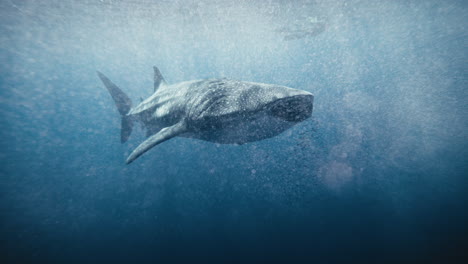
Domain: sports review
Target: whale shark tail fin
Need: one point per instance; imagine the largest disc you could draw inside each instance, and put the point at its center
(123, 103)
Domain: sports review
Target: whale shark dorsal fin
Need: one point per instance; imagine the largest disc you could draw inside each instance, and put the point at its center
(163, 135)
(158, 79)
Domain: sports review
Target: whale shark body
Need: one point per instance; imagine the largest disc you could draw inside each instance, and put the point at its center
(217, 110)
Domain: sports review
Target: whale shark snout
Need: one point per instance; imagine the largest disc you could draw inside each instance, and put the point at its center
(296, 108)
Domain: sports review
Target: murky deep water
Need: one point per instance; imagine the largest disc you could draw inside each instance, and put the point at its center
(377, 175)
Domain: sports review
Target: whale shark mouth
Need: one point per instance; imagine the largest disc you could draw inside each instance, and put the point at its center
(292, 109)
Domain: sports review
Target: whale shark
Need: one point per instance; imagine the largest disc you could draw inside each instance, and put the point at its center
(220, 110)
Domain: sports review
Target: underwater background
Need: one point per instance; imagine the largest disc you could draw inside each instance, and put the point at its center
(377, 175)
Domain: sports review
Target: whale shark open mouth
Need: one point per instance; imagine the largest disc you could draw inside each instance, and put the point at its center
(293, 109)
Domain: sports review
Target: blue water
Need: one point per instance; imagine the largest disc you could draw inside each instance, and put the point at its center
(378, 174)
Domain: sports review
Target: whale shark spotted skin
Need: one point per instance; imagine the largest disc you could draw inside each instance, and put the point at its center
(217, 110)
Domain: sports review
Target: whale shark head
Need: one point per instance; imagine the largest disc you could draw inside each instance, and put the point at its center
(231, 111)
(231, 98)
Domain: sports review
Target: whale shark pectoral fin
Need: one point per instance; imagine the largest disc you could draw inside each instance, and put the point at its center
(163, 135)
